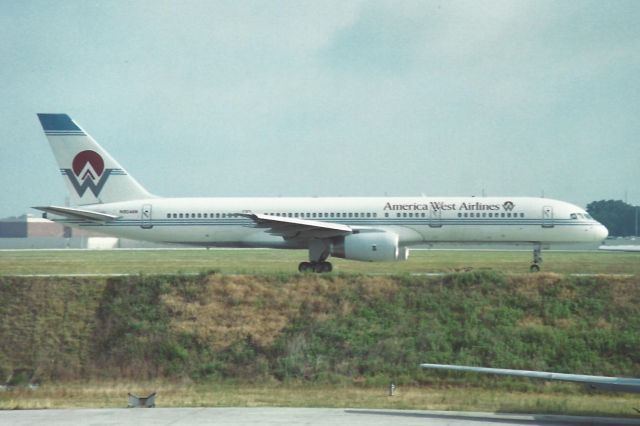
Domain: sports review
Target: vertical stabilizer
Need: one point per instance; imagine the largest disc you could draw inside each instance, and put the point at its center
(91, 174)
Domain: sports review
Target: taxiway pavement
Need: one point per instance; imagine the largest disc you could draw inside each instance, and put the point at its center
(285, 416)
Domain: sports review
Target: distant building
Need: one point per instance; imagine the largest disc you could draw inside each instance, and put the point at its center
(28, 232)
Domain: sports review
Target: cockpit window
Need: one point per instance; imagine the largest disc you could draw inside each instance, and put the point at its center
(581, 216)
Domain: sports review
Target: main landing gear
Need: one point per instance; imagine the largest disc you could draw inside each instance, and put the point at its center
(318, 252)
(319, 267)
(537, 258)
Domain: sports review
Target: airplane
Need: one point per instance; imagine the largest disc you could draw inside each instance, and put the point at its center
(618, 384)
(107, 199)
(627, 248)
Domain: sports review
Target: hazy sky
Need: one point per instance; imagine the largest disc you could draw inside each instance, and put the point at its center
(254, 98)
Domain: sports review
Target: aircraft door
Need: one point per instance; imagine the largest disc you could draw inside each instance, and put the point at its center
(145, 217)
(435, 218)
(547, 217)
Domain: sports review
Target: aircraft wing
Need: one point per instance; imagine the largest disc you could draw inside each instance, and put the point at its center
(619, 384)
(292, 228)
(78, 214)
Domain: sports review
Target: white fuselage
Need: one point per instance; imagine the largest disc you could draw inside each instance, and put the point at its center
(215, 222)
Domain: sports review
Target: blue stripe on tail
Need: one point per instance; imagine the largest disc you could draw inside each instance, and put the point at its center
(58, 123)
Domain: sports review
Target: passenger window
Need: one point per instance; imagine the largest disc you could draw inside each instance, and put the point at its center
(175, 215)
(404, 215)
(459, 214)
(356, 214)
(168, 215)
(466, 215)
(398, 215)
(521, 214)
(386, 215)
(180, 215)
(501, 214)
(368, 214)
(508, 214)
(199, 215)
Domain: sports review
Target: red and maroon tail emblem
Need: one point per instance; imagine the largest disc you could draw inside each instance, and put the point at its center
(87, 172)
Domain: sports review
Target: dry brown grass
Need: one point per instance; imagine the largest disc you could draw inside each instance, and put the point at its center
(230, 307)
(529, 286)
(186, 394)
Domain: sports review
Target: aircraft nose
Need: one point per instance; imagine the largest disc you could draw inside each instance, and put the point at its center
(601, 231)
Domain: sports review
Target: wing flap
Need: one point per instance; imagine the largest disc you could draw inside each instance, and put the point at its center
(75, 214)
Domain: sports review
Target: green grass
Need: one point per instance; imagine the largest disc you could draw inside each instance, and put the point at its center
(321, 329)
(286, 261)
(259, 335)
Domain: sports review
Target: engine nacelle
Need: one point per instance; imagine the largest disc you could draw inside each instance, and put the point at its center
(369, 247)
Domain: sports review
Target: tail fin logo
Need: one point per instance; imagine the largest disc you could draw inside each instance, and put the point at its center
(88, 172)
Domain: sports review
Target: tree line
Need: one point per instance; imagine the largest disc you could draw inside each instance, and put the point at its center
(620, 218)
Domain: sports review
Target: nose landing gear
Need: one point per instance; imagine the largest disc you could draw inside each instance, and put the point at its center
(537, 258)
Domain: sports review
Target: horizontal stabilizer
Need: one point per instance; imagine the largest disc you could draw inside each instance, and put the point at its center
(75, 214)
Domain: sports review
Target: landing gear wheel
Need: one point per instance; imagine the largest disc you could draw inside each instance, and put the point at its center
(537, 257)
(322, 267)
(305, 267)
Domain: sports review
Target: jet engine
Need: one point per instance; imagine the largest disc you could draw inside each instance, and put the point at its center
(369, 247)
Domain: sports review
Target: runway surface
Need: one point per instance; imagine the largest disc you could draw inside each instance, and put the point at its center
(285, 416)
